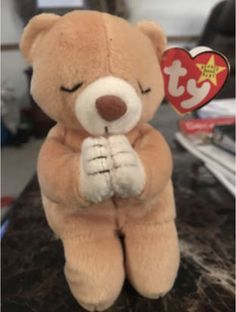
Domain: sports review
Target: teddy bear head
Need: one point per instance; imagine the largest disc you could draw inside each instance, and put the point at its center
(95, 71)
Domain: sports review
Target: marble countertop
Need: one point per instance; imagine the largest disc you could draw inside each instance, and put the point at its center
(32, 257)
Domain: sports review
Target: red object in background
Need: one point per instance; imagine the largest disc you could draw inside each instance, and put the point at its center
(6, 201)
(192, 81)
(193, 126)
(6, 204)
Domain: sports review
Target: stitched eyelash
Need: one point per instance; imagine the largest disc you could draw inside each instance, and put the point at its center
(142, 90)
(73, 89)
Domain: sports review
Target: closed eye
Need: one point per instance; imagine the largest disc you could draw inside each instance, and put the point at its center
(143, 91)
(73, 89)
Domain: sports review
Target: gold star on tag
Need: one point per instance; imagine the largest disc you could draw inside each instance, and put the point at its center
(209, 71)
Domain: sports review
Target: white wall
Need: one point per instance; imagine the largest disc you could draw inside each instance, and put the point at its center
(12, 63)
(177, 17)
(10, 22)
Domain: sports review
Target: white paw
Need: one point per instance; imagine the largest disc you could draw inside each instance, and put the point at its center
(128, 177)
(95, 170)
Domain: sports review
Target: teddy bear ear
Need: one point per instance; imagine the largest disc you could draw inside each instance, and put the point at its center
(36, 27)
(156, 34)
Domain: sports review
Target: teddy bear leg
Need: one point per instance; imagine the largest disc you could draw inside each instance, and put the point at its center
(94, 270)
(152, 258)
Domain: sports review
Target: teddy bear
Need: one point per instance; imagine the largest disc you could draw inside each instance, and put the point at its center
(104, 172)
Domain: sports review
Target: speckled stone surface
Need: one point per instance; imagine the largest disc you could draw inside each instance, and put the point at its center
(32, 257)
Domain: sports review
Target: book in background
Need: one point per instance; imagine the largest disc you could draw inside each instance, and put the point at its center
(224, 137)
(212, 140)
(218, 108)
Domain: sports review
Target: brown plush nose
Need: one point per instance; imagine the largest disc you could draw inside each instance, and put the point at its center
(110, 107)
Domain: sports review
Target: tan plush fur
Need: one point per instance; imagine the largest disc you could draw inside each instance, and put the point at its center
(85, 46)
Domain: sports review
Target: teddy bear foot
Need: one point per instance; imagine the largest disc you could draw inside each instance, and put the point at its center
(98, 306)
(152, 294)
(94, 298)
(94, 270)
(152, 258)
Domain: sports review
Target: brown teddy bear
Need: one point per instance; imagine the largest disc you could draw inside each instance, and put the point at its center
(104, 173)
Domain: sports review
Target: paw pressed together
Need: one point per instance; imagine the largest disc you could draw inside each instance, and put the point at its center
(127, 173)
(110, 167)
(95, 168)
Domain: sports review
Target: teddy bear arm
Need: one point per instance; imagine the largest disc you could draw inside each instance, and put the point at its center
(58, 172)
(156, 158)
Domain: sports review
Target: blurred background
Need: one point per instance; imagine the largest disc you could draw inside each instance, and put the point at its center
(23, 125)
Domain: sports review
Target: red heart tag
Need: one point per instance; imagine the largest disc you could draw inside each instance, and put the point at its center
(192, 80)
